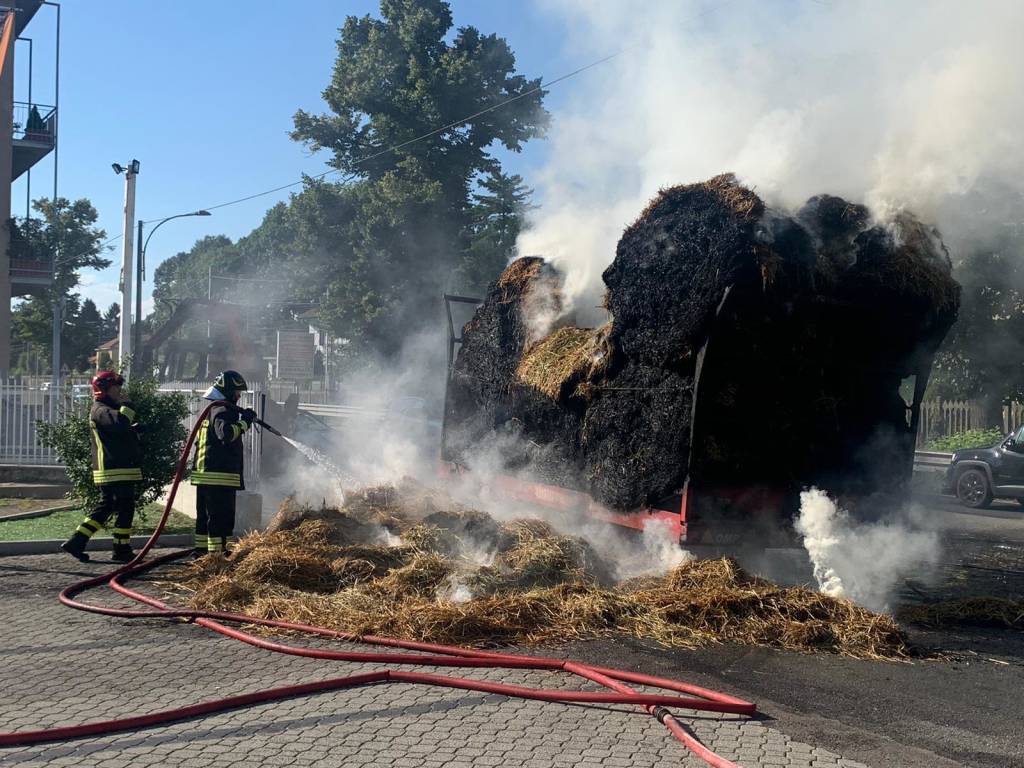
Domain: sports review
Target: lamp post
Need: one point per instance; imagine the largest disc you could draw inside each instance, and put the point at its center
(141, 275)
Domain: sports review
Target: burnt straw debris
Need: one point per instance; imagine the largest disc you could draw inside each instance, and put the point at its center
(407, 563)
(746, 347)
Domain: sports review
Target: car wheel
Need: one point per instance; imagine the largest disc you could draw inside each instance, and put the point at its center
(972, 489)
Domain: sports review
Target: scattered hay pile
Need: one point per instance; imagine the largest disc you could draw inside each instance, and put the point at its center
(797, 329)
(469, 580)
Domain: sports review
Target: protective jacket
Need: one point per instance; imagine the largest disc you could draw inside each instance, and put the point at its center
(116, 453)
(219, 456)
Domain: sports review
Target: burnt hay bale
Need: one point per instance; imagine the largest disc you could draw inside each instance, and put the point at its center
(493, 342)
(734, 327)
(673, 265)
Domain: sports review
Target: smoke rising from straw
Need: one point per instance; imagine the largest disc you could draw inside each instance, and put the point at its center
(861, 561)
(893, 104)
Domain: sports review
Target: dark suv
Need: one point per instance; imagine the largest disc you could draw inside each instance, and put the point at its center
(977, 475)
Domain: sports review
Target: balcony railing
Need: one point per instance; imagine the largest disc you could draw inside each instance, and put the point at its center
(30, 269)
(35, 122)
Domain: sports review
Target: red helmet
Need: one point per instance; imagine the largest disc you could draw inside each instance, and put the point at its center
(104, 379)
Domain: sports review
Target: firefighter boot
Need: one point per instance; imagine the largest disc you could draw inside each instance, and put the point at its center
(123, 553)
(75, 546)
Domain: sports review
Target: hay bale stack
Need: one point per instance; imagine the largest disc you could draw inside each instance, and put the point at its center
(734, 329)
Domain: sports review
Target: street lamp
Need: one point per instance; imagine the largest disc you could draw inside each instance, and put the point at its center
(141, 275)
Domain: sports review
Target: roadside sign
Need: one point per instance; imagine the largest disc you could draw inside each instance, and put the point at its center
(294, 355)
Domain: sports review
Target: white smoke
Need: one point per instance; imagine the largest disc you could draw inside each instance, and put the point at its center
(893, 104)
(861, 561)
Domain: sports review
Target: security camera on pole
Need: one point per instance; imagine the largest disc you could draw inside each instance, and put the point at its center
(125, 335)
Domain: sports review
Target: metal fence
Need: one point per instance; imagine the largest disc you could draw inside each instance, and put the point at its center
(24, 402)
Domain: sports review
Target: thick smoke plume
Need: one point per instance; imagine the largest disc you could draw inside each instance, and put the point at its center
(892, 104)
(862, 561)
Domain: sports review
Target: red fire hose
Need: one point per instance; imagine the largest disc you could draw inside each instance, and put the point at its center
(427, 654)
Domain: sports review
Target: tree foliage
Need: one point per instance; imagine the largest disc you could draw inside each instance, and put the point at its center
(162, 414)
(376, 251)
(983, 356)
(64, 234)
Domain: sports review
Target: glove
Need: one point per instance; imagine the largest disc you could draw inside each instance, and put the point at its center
(248, 416)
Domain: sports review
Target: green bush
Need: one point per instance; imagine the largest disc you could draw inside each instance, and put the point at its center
(973, 438)
(162, 414)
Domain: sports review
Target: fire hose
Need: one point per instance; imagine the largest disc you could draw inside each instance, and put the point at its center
(617, 681)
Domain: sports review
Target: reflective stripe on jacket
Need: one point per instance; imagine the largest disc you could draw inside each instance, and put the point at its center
(116, 453)
(219, 456)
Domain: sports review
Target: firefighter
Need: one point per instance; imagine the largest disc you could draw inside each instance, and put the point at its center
(217, 469)
(116, 468)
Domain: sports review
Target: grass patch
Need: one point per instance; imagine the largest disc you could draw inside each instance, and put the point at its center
(60, 525)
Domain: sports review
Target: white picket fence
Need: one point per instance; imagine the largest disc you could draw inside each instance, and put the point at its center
(950, 417)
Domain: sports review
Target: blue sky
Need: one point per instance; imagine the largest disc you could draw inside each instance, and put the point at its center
(203, 93)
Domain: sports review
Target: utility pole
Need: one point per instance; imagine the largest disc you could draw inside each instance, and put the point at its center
(125, 335)
(140, 272)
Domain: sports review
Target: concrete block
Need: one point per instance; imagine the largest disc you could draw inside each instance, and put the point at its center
(248, 507)
(34, 473)
(248, 512)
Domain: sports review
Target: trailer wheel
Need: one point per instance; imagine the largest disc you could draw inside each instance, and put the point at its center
(972, 489)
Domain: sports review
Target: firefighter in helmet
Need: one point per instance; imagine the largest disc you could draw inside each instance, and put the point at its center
(116, 467)
(217, 469)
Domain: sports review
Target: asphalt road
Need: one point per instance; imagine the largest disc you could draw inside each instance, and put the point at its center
(966, 709)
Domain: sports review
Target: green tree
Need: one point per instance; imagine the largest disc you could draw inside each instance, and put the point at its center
(983, 356)
(85, 333)
(497, 218)
(64, 234)
(162, 413)
(111, 321)
(398, 235)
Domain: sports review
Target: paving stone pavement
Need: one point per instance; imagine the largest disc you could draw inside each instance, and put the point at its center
(61, 667)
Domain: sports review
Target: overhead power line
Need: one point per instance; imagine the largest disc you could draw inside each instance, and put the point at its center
(422, 137)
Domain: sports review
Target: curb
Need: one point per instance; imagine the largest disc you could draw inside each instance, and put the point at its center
(37, 513)
(52, 546)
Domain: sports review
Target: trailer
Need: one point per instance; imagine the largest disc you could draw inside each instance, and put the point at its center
(697, 514)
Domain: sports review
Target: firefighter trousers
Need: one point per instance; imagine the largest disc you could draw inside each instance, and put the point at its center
(215, 517)
(116, 499)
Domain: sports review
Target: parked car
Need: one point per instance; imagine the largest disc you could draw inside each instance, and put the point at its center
(978, 475)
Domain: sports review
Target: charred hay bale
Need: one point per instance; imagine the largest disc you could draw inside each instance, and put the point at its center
(906, 268)
(635, 440)
(835, 223)
(673, 265)
(524, 297)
